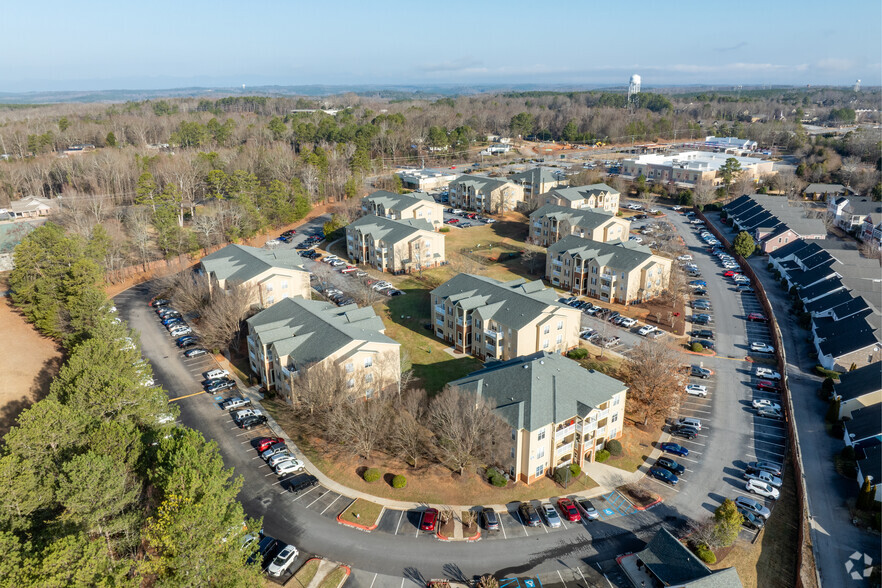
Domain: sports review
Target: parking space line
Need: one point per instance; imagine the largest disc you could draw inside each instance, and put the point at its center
(502, 527)
(304, 494)
(316, 500)
(332, 503)
(522, 523)
(674, 488)
(399, 522)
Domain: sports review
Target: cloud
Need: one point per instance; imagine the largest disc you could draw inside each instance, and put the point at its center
(734, 47)
(455, 65)
(835, 63)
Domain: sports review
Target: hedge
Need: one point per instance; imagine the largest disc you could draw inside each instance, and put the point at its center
(575, 470)
(705, 554)
(371, 475)
(601, 456)
(827, 373)
(578, 353)
(444, 230)
(399, 481)
(499, 481)
(697, 348)
(614, 447)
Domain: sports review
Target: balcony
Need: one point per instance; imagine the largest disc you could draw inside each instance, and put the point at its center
(494, 334)
(564, 449)
(556, 262)
(603, 414)
(581, 270)
(439, 309)
(459, 322)
(605, 289)
(537, 225)
(561, 433)
(439, 322)
(607, 277)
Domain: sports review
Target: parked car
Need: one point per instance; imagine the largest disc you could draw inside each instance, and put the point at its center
(761, 347)
(274, 449)
(751, 520)
(687, 433)
(703, 333)
(552, 519)
(698, 284)
(429, 519)
(757, 317)
(768, 386)
(761, 476)
(763, 403)
(252, 421)
(235, 402)
(745, 289)
(288, 466)
(185, 342)
(664, 475)
(767, 466)
(767, 373)
(628, 322)
(696, 390)
(685, 257)
(697, 371)
(215, 374)
(771, 413)
(568, 510)
(278, 458)
(763, 489)
(265, 443)
(753, 506)
(670, 465)
(706, 343)
(157, 302)
(282, 561)
(194, 352)
(689, 422)
(220, 386)
(180, 331)
(674, 448)
(587, 508)
(301, 483)
(730, 274)
(528, 515)
(489, 519)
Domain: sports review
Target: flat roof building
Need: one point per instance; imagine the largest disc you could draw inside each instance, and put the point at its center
(690, 167)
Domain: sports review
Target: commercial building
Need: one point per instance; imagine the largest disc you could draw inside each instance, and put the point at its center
(621, 271)
(483, 194)
(730, 144)
(27, 207)
(559, 412)
(772, 222)
(425, 179)
(539, 180)
(596, 196)
(551, 223)
(295, 335)
(396, 246)
(271, 274)
(502, 320)
(413, 205)
(690, 167)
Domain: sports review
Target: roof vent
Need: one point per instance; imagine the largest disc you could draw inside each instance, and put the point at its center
(526, 366)
(541, 362)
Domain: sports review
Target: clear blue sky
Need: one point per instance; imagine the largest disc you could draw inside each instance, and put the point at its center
(91, 44)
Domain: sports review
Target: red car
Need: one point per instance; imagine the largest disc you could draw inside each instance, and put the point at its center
(568, 510)
(429, 519)
(729, 273)
(452, 221)
(264, 443)
(757, 317)
(767, 386)
(472, 215)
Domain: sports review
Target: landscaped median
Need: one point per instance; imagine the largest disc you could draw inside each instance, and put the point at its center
(330, 574)
(361, 514)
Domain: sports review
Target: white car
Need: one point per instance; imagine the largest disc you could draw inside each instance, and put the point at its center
(283, 561)
(628, 322)
(215, 374)
(761, 347)
(273, 243)
(635, 238)
(181, 331)
(761, 476)
(645, 330)
(763, 403)
(762, 489)
(767, 373)
(279, 458)
(677, 208)
(696, 390)
(685, 257)
(288, 466)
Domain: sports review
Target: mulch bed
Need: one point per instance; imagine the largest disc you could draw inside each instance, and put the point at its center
(446, 529)
(638, 496)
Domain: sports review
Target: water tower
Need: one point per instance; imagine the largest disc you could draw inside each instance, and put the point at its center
(857, 86)
(633, 86)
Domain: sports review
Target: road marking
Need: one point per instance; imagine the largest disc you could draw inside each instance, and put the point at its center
(561, 578)
(502, 528)
(332, 503)
(372, 581)
(522, 523)
(316, 500)
(186, 396)
(398, 526)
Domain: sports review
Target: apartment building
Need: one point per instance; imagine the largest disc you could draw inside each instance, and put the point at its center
(413, 205)
(858, 389)
(621, 271)
(295, 335)
(597, 196)
(772, 222)
(538, 181)
(396, 246)
(559, 412)
(273, 274)
(483, 194)
(552, 222)
(501, 320)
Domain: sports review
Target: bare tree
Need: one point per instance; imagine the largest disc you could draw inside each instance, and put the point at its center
(221, 320)
(318, 388)
(652, 372)
(358, 424)
(703, 193)
(744, 184)
(208, 228)
(648, 199)
(408, 438)
(467, 429)
(188, 291)
(849, 167)
(789, 183)
(870, 250)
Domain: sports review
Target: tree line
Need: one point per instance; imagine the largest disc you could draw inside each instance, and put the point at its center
(98, 486)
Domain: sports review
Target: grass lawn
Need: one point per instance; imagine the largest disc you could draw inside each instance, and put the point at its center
(637, 444)
(334, 579)
(305, 574)
(368, 512)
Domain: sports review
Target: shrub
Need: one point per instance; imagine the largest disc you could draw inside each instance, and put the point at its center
(847, 453)
(833, 411)
(705, 554)
(827, 386)
(697, 348)
(578, 353)
(399, 481)
(601, 456)
(827, 373)
(499, 481)
(444, 230)
(769, 266)
(575, 470)
(614, 447)
(371, 475)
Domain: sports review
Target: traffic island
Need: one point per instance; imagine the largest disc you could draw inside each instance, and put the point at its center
(471, 530)
(639, 497)
(361, 514)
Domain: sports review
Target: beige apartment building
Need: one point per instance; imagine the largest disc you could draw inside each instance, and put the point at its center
(538, 181)
(559, 412)
(552, 222)
(621, 271)
(413, 205)
(274, 274)
(487, 195)
(295, 335)
(598, 196)
(396, 246)
(501, 320)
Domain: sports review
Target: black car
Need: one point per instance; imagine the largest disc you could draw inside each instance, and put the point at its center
(195, 352)
(528, 515)
(699, 292)
(685, 432)
(703, 342)
(703, 334)
(160, 302)
(186, 338)
(187, 343)
(700, 321)
(252, 421)
(489, 519)
(220, 386)
(664, 475)
(670, 465)
(751, 521)
(301, 483)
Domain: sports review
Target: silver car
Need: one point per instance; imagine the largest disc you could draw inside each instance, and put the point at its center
(551, 516)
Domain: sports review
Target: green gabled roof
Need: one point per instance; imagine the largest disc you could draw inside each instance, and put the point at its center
(586, 218)
(393, 201)
(515, 303)
(241, 263)
(389, 230)
(481, 183)
(536, 175)
(531, 391)
(621, 255)
(311, 330)
(582, 192)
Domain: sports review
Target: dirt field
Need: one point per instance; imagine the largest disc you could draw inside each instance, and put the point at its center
(28, 363)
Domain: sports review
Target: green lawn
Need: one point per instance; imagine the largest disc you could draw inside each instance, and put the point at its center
(368, 512)
(305, 574)
(333, 579)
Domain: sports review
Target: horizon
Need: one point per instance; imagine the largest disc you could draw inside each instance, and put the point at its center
(222, 45)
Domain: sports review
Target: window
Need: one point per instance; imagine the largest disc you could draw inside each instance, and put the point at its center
(368, 362)
(369, 393)
(271, 299)
(613, 432)
(594, 270)
(350, 367)
(559, 339)
(269, 287)
(369, 378)
(512, 452)
(514, 434)
(546, 330)
(559, 325)
(615, 401)
(545, 344)
(350, 383)
(541, 435)
(540, 470)
(615, 418)
(541, 453)
(284, 284)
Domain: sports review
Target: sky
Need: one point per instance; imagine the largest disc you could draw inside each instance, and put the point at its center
(99, 45)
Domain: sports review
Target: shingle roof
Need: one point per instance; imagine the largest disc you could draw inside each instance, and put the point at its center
(789, 249)
(514, 304)
(534, 390)
(672, 563)
(859, 382)
(847, 342)
(535, 176)
(856, 306)
(870, 462)
(621, 255)
(865, 423)
(574, 193)
(827, 285)
(312, 330)
(588, 219)
(827, 327)
(829, 301)
(393, 201)
(481, 183)
(387, 229)
(824, 189)
(864, 207)
(240, 263)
